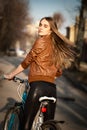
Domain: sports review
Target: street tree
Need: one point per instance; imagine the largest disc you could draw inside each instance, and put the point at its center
(59, 19)
(81, 28)
(14, 16)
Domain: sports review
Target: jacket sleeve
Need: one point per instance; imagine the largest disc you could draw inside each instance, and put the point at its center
(37, 48)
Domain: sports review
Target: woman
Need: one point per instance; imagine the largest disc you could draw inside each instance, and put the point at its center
(47, 58)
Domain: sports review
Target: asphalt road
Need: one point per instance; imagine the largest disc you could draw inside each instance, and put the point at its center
(71, 104)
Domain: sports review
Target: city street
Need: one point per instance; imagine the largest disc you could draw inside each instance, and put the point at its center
(71, 101)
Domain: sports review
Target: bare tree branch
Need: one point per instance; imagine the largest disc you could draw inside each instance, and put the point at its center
(58, 18)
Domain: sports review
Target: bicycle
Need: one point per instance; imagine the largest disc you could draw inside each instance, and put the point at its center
(12, 120)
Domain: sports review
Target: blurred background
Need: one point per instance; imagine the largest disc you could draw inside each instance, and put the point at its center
(18, 30)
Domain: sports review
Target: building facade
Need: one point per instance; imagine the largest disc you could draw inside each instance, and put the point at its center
(72, 34)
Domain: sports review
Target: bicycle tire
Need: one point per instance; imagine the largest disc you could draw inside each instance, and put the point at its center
(11, 120)
(50, 125)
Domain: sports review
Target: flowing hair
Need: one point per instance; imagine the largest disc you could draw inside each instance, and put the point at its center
(63, 50)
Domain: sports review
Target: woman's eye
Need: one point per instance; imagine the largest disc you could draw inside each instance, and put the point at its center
(40, 25)
(45, 26)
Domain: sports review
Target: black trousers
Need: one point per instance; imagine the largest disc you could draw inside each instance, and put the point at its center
(38, 89)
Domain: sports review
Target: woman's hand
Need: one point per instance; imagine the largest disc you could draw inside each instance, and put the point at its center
(8, 76)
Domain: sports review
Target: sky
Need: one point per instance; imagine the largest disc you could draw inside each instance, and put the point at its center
(42, 8)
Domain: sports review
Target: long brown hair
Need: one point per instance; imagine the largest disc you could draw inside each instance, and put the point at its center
(63, 48)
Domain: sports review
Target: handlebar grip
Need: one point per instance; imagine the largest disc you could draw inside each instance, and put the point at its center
(15, 79)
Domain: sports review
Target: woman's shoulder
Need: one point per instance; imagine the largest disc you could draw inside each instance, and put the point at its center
(39, 42)
(42, 42)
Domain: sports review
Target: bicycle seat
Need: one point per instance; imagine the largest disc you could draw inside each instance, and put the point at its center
(45, 98)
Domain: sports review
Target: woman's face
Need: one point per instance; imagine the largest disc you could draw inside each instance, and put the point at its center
(44, 28)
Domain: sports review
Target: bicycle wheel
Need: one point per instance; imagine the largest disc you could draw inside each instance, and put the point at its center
(11, 121)
(50, 125)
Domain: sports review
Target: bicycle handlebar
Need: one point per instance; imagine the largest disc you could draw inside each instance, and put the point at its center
(15, 79)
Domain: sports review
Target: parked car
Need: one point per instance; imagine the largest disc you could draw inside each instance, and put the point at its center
(11, 52)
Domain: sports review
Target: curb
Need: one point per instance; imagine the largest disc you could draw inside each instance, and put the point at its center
(77, 84)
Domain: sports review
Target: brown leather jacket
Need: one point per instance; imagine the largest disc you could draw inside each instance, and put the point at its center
(39, 59)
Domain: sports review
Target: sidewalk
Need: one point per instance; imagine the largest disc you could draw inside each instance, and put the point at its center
(78, 78)
(7, 67)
